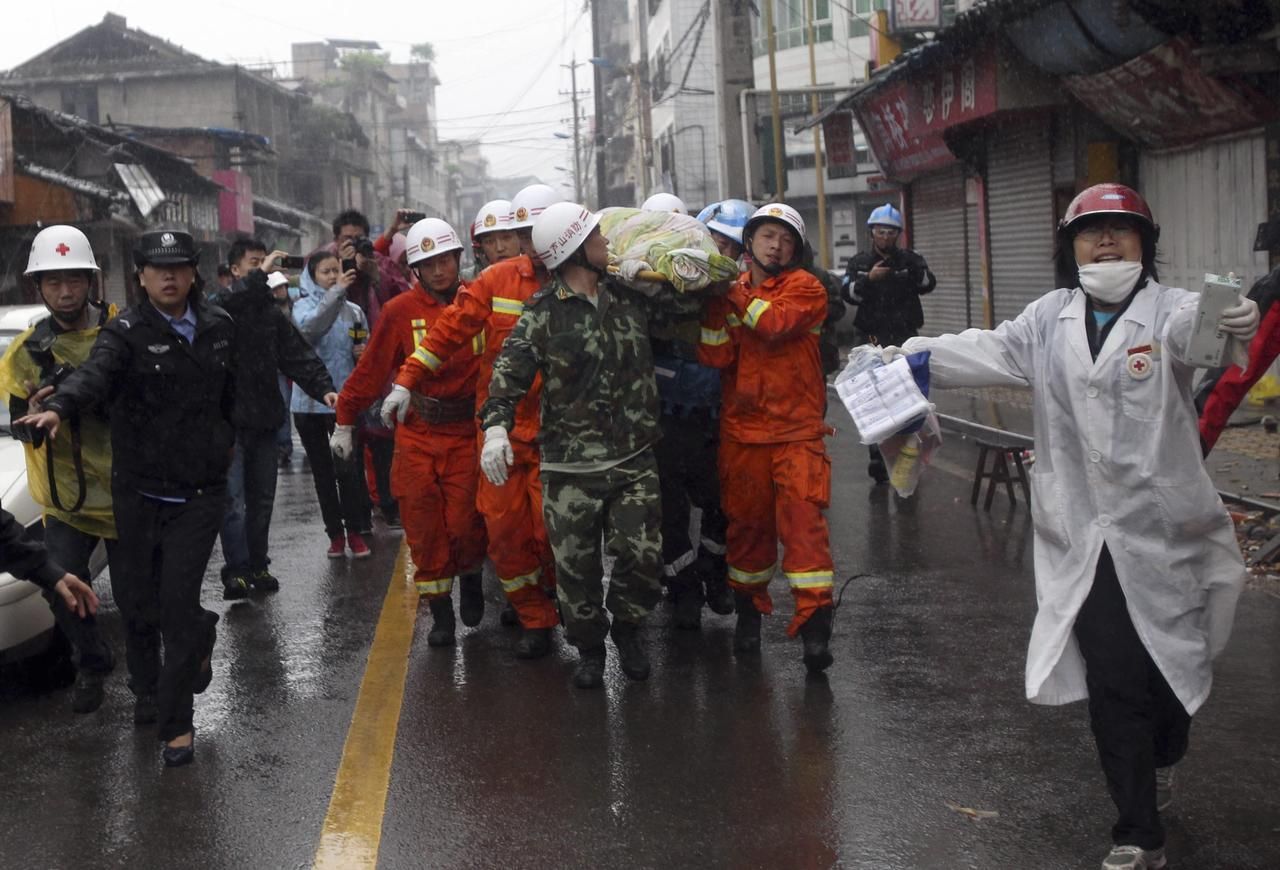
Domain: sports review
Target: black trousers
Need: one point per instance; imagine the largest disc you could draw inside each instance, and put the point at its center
(689, 477)
(71, 548)
(339, 485)
(1138, 723)
(384, 452)
(162, 554)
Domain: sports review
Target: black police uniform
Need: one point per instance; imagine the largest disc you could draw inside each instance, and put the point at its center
(169, 402)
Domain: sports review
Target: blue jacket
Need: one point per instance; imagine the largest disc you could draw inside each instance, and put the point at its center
(331, 323)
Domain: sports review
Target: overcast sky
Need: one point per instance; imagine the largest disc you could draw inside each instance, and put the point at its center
(498, 60)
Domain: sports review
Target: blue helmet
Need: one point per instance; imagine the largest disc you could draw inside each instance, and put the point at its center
(885, 216)
(728, 218)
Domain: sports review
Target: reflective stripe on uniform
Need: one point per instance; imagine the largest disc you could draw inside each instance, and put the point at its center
(675, 566)
(714, 337)
(515, 584)
(478, 343)
(810, 579)
(751, 578)
(428, 359)
(443, 586)
(503, 305)
(756, 308)
(817, 330)
(732, 320)
(715, 548)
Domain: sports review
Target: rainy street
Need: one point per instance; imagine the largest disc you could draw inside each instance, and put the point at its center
(918, 750)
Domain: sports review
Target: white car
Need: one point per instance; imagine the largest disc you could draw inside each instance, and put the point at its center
(26, 623)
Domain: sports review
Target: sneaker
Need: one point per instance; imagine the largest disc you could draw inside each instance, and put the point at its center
(337, 547)
(264, 581)
(1134, 858)
(234, 586)
(1164, 788)
(359, 549)
(88, 692)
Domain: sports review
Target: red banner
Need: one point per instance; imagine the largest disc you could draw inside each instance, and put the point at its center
(905, 120)
(837, 139)
(1164, 98)
(235, 204)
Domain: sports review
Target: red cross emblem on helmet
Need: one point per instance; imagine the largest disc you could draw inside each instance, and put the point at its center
(62, 249)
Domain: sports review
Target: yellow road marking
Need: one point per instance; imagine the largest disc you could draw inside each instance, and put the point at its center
(352, 828)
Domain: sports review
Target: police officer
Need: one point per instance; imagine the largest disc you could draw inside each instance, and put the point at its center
(69, 476)
(162, 371)
(886, 284)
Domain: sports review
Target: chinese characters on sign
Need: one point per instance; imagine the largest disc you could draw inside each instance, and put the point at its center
(907, 15)
(905, 121)
(837, 137)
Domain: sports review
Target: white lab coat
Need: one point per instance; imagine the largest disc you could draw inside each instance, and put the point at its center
(1117, 462)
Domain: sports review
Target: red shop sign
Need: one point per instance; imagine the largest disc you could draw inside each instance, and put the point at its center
(905, 120)
(1163, 98)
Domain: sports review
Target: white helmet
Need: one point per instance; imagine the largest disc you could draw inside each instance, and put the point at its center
(60, 247)
(277, 279)
(430, 237)
(776, 211)
(493, 216)
(531, 202)
(665, 202)
(561, 230)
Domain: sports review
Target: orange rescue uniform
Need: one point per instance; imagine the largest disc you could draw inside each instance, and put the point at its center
(434, 472)
(489, 307)
(775, 476)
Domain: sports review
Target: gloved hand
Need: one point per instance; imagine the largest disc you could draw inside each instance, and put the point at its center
(396, 405)
(890, 353)
(496, 455)
(628, 270)
(1240, 320)
(342, 442)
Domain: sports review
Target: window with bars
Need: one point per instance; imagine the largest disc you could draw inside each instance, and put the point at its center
(790, 27)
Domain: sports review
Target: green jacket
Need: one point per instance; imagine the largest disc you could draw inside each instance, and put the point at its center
(599, 397)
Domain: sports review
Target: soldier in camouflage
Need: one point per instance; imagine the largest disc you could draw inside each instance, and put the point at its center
(588, 337)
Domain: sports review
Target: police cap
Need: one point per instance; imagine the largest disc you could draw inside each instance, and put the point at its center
(166, 248)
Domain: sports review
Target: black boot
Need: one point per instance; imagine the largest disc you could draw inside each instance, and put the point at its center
(471, 607)
(632, 658)
(88, 692)
(686, 588)
(509, 616)
(746, 635)
(715, 577)
(816, 632)
(442, 622)
(590, 672)
(534, 643)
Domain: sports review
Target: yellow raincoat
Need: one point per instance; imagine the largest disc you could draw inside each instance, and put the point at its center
(95, 516)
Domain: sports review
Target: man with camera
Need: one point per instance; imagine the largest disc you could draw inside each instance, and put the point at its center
(69, 475)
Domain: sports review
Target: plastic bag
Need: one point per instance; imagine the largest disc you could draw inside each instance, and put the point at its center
(907, 453)
(884, 399)
(678, 246)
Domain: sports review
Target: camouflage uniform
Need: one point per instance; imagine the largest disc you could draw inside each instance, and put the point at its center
(599, 424)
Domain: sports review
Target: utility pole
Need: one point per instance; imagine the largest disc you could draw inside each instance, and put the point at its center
(779, 180)
(572, 66)
(646, 117)
(824, 253)
(600, 139)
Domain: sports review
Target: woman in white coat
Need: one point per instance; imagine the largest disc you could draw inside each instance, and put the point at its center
(1137, 566)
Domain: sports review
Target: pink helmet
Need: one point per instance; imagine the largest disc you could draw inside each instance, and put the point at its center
(1108, 198)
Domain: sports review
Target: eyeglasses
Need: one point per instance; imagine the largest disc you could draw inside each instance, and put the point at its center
(885, 231)
(1116, 231)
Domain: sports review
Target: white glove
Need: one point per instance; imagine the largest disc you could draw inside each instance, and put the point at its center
(1240, 320)
(341, 442)
(629, 269)
(890, 353)
(396, 405)
(496, 456)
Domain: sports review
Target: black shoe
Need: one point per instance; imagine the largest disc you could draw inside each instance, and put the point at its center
(509, 617)
(746, 635)
(264, 581)
(179, 756)
(471, 605)
(534, 643)
(878, 472)
(88, 692)
(391, 516)
(688, 615)
(715, 578)
(816, 633)
(632, 658)
(145, 711)
(443, 623)
(205, 676)
(590, 672)
(235, 586)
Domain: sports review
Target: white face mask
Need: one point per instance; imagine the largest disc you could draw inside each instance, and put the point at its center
(1110, 282)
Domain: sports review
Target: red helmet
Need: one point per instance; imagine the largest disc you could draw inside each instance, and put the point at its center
(1107, 198)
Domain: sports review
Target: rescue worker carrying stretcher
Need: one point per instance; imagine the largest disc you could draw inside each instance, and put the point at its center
(775, 476)
(433, 474)
(486, 311)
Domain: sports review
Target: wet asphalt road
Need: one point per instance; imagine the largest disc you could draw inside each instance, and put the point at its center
(711, 763)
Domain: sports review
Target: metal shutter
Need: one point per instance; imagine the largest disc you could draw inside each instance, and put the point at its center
(1020, 209)
(938, 233)
(1208, 201)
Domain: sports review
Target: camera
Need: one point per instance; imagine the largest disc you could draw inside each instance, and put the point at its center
(413, 216)
(23, 432)
(363, 245)
(291, 262)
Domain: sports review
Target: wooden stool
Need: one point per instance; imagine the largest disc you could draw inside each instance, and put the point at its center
(999, 473)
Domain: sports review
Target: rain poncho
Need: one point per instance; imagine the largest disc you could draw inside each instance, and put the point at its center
(333, 325)
(676, 245)
(95, 516)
